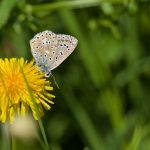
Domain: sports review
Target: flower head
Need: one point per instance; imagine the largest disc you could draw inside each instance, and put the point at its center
(15, 97)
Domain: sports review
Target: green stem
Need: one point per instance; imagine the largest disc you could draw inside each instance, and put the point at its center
(37, 112)
(63, 4)
(14, 143)
(5, 137)
(41, 142)
(68, 5)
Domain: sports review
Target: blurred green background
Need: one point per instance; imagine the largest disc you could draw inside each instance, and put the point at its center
(104, 98)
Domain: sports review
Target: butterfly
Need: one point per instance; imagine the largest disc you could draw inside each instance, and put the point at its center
(50, 50)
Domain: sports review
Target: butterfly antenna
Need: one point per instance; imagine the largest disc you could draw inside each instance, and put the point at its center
(55, 81)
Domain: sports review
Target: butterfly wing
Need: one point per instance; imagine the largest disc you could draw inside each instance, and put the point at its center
(65, 46)
(50, 50)
(43, 48)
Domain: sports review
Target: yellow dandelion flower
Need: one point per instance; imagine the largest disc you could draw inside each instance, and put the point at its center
(15, 98)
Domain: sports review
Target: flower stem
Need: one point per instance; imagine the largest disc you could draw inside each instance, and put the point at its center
(13, 143)
(5, 138)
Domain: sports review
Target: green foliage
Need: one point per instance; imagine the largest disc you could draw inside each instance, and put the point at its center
(104, 98)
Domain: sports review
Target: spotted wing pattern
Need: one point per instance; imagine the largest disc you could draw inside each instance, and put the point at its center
(50, 49)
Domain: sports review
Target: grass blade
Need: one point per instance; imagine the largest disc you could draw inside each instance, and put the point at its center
(5, 9)
(37, 112)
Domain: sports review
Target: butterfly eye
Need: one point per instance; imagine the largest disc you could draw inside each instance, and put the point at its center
(47, 75)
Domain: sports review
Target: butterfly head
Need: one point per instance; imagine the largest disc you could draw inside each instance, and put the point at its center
(47, 74)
